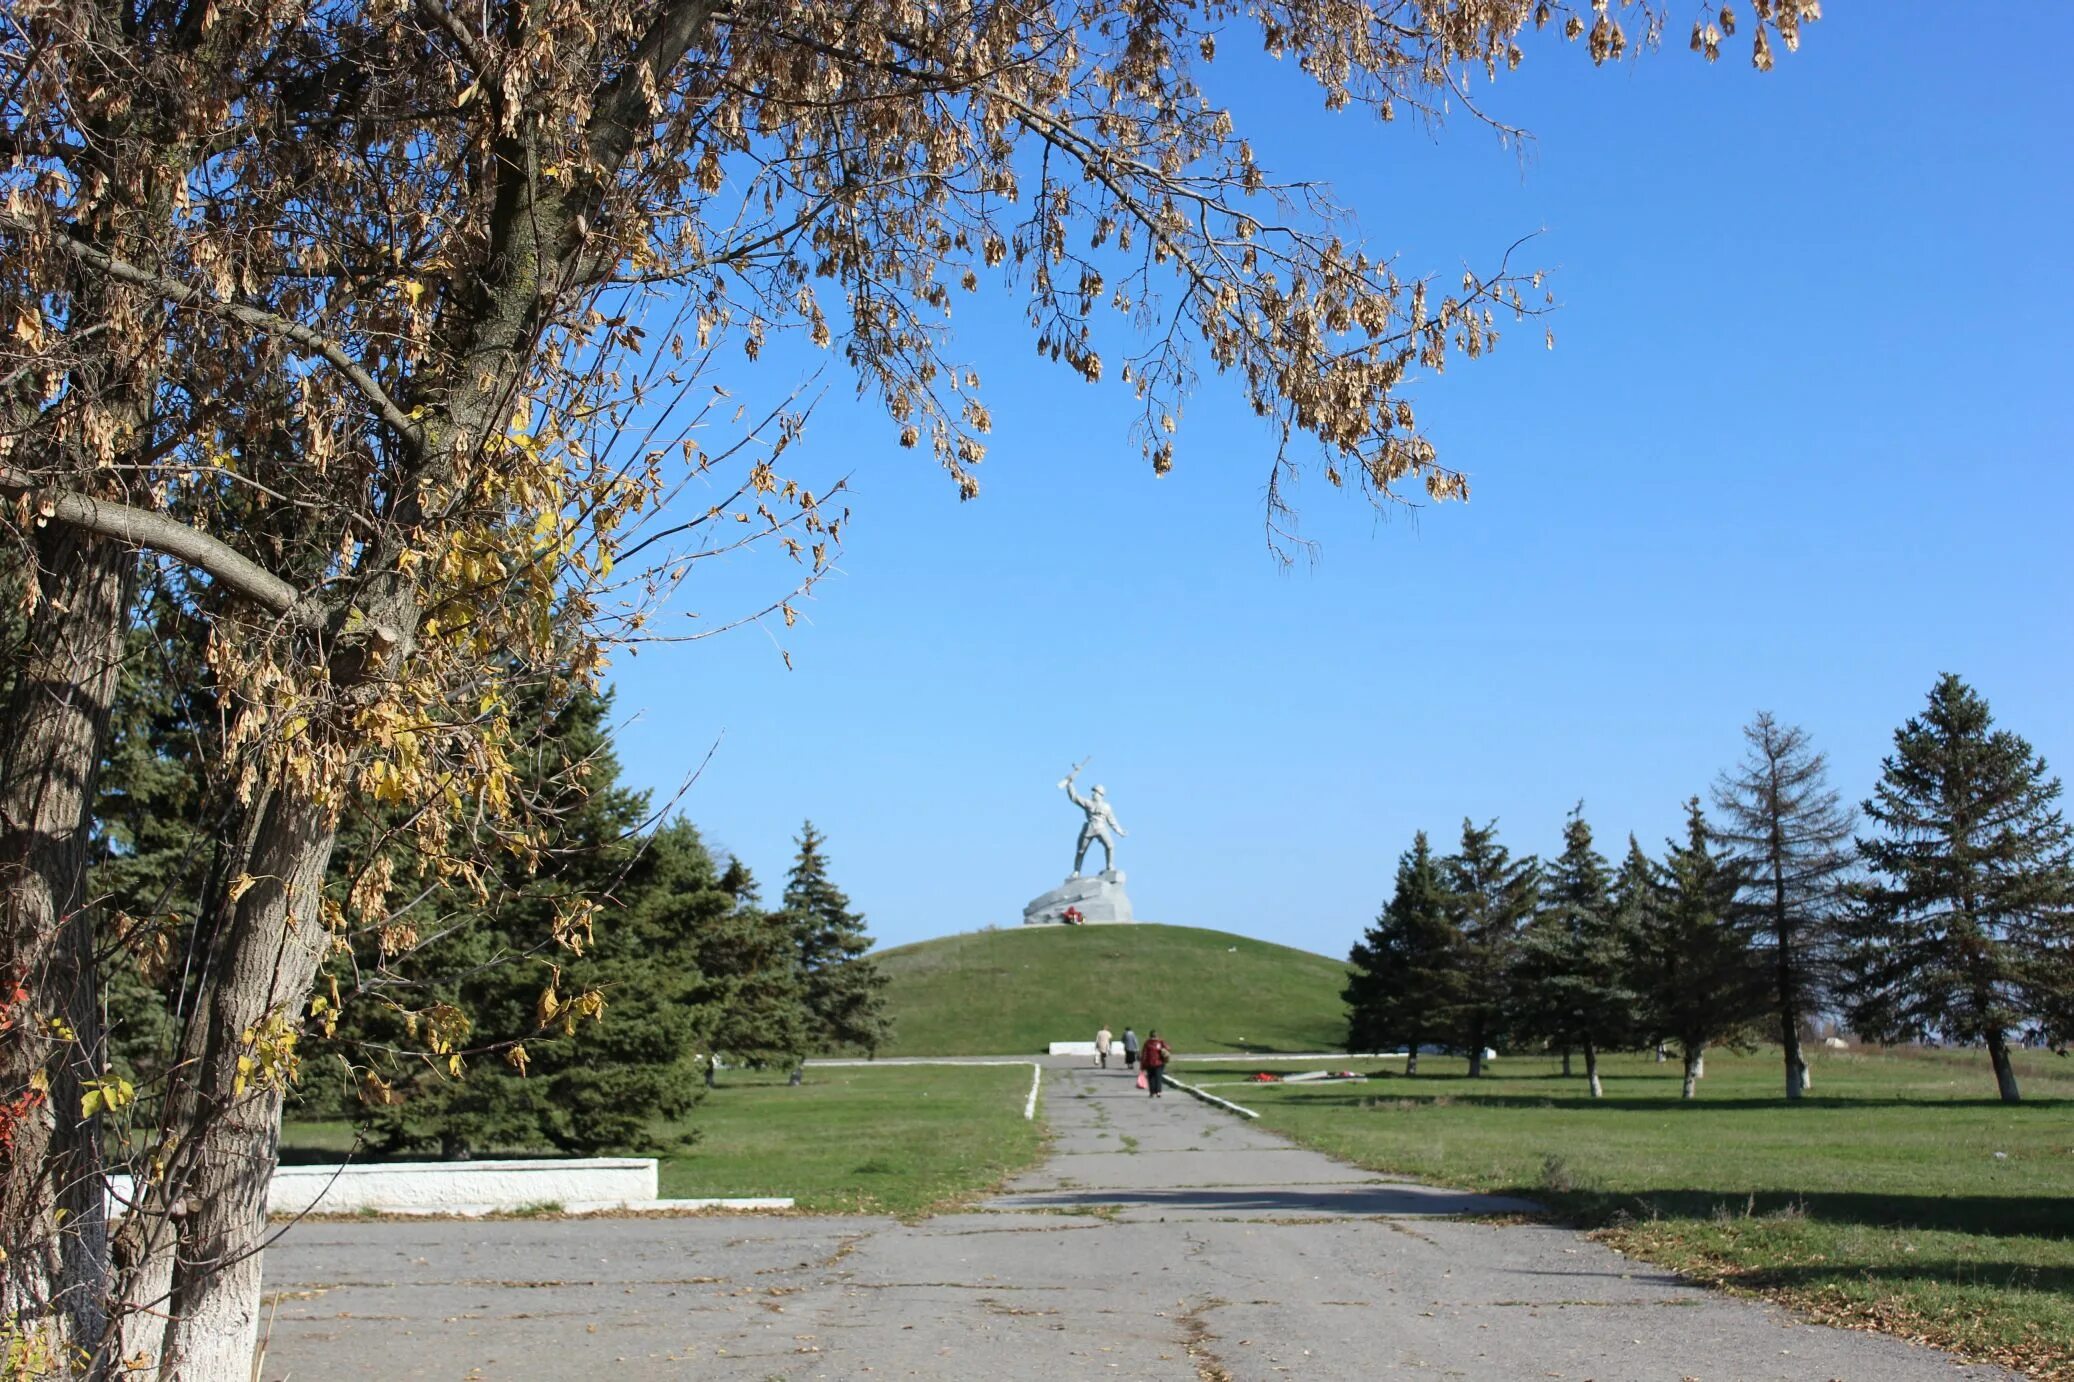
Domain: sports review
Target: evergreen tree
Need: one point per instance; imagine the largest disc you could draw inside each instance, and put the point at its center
(844, 992)
(1792, 842)
(752, 981)
(453, 976)
(1700, 981)
(151, 845)
(1490, 898)
(1406, 979)
(1965, 931)
(1571, 982)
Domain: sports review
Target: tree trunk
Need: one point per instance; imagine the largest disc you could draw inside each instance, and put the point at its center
(1661, 1054)
(1782, 940)
(1566, 1062)
(1695, 1066)
(2005, 1073)
(1591, 1069)
(223, 1117)
(1476, 1061)
(1796, 1062)
(1699, 1067)
(52, 1205)
(1411, 1062)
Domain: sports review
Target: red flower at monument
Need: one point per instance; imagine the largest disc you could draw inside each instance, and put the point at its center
(1072, 916)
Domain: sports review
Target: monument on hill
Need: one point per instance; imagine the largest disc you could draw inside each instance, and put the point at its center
(1082, 900)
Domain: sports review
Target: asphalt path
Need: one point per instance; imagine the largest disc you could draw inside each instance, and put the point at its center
(1162, 1239)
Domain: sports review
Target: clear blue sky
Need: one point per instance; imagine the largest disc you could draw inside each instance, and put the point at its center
(1802, 445)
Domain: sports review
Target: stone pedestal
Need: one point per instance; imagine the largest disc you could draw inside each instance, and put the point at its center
(1100, 899)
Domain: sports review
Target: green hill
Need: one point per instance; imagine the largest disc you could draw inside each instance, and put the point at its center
(1015, 992)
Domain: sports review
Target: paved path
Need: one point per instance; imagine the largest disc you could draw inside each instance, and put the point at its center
(1163, 1240)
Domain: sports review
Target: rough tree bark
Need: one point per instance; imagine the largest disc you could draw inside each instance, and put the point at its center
(1591, 1068)
(1695, 1066)
(2005, 1073)
(51, 1198)
(199, 1231)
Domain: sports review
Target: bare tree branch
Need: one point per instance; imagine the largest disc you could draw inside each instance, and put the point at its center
(159, 532)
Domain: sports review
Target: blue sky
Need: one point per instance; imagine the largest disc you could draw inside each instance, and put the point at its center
(1801, 446)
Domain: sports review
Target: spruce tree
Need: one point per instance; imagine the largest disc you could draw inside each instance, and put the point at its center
(1700, 980)
(844, 991)
(1964, 932)
(1571, 982)
(752, 982)
(1792, 841)
(1490, 898)
(540, 1064)
(1406, 980)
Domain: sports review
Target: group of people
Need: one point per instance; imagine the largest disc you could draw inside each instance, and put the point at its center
(1150, 1058)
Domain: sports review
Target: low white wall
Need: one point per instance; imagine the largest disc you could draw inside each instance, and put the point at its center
(1074, 1048)
(450, 1186)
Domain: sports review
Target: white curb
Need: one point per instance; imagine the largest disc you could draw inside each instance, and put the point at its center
(1242, 1111)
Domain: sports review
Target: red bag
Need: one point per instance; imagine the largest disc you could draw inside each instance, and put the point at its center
(1141, 1079)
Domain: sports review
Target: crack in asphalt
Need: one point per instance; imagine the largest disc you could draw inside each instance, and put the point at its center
(1196, 1339)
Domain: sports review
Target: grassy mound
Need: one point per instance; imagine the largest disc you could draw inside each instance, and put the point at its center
(1015, 992)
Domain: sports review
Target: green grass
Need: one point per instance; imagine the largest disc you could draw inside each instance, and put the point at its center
(900, 1140)
(1017, 991)
(1877, 1201)
(860, 1139)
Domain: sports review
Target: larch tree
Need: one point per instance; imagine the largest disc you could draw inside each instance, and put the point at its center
(1699, 979)
(1963, 930)
(1572, 980)
(844, 991)
(1405, 973)
(1791, 836)
(377, 317)
(1490, 899)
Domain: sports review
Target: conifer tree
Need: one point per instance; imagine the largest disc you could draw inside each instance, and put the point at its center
(1700, 980)
(1406, 980)
(473, 1039)
(1792, 842)
(843, 989)
(752, 981)
(1572, 979)
(1490, 898)
(1965, 930)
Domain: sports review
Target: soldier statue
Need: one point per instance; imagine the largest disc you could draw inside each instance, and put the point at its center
(1100, 825)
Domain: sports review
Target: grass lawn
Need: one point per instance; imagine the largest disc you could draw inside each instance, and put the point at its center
(851, 1140)
(1879, 1201)
(859, 1139)
(1015, 991)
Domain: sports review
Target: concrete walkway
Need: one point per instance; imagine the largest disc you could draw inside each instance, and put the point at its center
(1162, 1240)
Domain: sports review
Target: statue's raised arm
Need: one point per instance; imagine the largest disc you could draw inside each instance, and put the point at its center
(1067, 783)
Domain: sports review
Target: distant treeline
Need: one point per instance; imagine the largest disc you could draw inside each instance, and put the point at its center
(1943, 912)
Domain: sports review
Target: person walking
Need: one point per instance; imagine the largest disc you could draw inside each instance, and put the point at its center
(1154, 1059)
(1102, 1040)
(1130, 1048)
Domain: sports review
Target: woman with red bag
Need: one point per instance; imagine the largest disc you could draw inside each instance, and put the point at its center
(1153, 1060)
